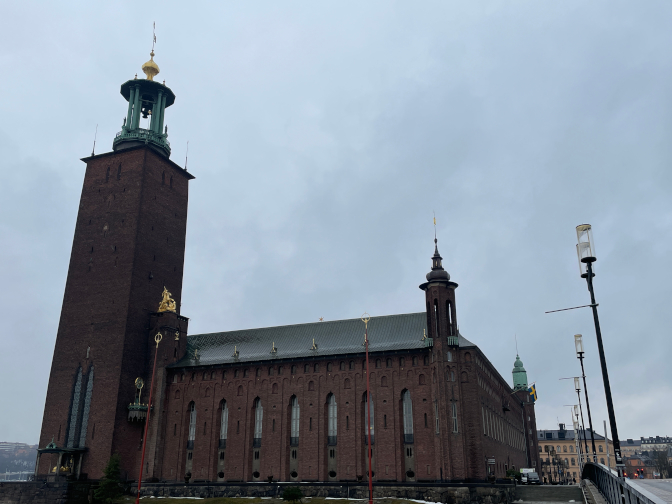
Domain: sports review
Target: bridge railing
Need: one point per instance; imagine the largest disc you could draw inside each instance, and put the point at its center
(617, 490)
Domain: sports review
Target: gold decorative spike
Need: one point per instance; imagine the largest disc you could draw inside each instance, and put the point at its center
(424, 335)
(273, 349)
(314, 347)
(167, 303)
(150, 68)
(321, 319)
(236, 353)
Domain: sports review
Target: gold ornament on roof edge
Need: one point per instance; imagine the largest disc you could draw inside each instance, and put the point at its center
(150, 68)
(167, 303)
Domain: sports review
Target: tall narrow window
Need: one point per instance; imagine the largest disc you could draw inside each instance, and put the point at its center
(294, 439)
(107, 174)
(332, 427)
(119, 173)
(258, 419)
(454, 417)
(436, 317)
(224, 427)
(408, 416)
(74, 411)
(436, 416)
(87, 407)
(192, 426)
(369, 419)
(449, 317)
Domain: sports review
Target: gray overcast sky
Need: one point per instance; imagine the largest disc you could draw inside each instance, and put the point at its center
(322, 136)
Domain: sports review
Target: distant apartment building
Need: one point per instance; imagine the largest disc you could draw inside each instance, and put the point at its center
(569, 448)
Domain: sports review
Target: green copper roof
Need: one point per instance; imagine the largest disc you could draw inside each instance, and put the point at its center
(386, 333)
(519, 374)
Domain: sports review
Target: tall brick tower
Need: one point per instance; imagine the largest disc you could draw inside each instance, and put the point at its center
(442, 327)
(128, 245)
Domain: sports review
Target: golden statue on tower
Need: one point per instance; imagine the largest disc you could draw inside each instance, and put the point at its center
(167, 303)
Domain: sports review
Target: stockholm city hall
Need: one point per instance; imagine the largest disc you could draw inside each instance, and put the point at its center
(285, 402)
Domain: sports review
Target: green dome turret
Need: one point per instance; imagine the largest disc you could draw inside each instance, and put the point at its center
(519, 375)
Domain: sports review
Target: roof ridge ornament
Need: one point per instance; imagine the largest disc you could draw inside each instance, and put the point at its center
(274, 350)
(236, 353)
(314, 347)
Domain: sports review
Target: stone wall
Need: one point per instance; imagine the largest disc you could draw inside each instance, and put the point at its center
(448, 493)
(33, 492)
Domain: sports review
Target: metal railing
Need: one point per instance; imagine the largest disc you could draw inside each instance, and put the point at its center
(617, 490)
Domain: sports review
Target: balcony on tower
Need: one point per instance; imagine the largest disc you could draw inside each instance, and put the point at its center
(147, 103)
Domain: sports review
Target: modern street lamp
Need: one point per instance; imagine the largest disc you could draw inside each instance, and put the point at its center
(585, 249)
(578, 343)
(577, 386)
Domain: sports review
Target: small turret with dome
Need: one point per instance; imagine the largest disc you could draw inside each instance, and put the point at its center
(519, 375)
(147, 99)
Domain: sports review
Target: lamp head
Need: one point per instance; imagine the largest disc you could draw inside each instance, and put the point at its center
(578, 343)
(585, 248)
(577, 383)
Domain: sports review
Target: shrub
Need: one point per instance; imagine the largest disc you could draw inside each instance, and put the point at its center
(292, 494)
(110, 487)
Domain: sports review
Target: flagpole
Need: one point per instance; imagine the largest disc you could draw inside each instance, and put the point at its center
(158, 339)
(365, 319)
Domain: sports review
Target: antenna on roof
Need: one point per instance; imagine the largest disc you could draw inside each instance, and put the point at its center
(94, 142)
(186, 157)
(516, 338)
(434, 224)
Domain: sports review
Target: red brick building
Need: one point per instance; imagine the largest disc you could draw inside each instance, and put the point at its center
(287, 402)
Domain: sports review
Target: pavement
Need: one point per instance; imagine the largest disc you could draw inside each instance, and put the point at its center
(661, 488)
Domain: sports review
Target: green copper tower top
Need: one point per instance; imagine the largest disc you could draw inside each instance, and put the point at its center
(147, 99)
(519, 375)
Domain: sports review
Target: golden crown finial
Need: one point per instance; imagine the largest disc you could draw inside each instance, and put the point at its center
(150, 68)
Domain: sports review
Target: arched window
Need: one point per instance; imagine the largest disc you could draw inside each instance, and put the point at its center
(454, 409)
(352, 365)
(311, 385)
(332, 430)
(342, 366)
(573, 461)
(425, 360)
(119, 173)
(296, 412)
(408, 416)
(599, 447)
(274, 389)
(346, 383)
(240, 390)
(378, 364)
(316, 368)
(258, 421)
(328, 366)
(363, 365)
(383, 381)
(177, 394)
(368, 419)
(306, 368)
(421, 379)
(415, 361)
(571, 449)
(271, 371)
(293, 370)
(107, 174)
(258, 372)
(467, 357)
(449, 356)
(388, 362)
(402, 361)
(279, 370)
(224, 426)
(564, 448)
(192, 426)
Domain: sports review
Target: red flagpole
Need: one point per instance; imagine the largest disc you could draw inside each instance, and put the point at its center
(368, 403)
(157, 338)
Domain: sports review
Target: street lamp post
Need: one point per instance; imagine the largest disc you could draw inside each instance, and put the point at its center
(586, 251)
(577, 386)
(578, 343)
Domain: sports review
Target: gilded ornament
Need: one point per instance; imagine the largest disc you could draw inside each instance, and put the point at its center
(167, 303)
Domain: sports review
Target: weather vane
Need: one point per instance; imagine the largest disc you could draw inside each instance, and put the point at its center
(153, 35)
